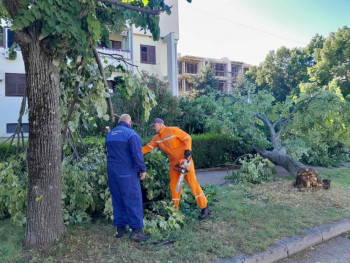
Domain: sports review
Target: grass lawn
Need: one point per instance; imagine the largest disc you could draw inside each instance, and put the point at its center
(245, 220)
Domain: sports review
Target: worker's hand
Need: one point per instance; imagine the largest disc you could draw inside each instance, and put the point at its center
(188, 153)
(142, 176)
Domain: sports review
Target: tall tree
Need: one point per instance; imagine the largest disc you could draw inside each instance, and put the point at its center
(49, 32)
(205, 82)
(281, 72)
(333, 61)
(267, 124)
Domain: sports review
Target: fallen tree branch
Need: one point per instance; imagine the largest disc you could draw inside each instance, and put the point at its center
(74, 101)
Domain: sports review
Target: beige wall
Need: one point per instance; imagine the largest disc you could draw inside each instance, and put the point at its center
(160, 68)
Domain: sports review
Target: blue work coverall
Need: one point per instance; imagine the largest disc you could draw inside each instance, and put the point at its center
(124, 164)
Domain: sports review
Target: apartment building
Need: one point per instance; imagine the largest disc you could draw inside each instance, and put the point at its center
(136, 47)
(224, 69)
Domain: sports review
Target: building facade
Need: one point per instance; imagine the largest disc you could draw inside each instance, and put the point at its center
(137, 48)
(224, 69)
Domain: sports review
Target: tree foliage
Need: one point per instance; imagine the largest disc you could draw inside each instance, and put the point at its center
(281, 72)
(333, 61)
(163, 104)
(205, 82)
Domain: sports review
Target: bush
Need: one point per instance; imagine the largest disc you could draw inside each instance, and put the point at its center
(329, 153)
(11, 150)
(85, 191)
(254, 169)
(13, 189)
(211, 150)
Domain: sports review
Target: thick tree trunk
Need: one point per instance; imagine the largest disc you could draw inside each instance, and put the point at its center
(289, 163)
(44, 209)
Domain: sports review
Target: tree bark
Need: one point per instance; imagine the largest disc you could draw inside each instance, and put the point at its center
(44, 208)
(289, 163)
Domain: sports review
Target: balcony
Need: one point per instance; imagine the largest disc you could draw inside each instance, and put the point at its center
(113, 55)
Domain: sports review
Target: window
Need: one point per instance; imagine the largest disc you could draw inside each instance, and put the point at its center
(191, 68)
(15, 84)
(111, 86)
(219, 69)
(11, 127)
(179, 67)
(181, 89)
(222, 85)
(1, 36)
(188, 86)
(10, 38)
(115, 44)
(235, 69)
(148, 54)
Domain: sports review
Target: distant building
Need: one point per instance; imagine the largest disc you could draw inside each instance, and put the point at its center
(224, 69)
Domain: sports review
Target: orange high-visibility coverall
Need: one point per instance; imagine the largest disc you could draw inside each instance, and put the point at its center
(174, 141)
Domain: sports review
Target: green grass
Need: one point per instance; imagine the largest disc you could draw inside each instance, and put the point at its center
(245, 220)
(10, 241)
(339, 176)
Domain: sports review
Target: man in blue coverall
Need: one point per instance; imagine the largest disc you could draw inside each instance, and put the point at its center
(125, 169)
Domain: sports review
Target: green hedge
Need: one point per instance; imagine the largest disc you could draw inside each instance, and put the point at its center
(211, 150)
(5, 147)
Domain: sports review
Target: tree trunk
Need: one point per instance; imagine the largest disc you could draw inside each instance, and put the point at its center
(289, 163)
(44, 208)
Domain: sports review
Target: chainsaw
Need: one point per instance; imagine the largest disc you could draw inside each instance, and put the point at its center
(183, 168)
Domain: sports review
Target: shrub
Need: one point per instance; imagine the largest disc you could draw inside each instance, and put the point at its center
(211, 150)
(6, 149)
(85, 191)
(13, 189)
(254, 169)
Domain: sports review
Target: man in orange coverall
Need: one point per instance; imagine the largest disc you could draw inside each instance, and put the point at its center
(177, 144)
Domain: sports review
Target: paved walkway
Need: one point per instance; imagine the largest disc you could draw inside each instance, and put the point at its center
(214, 177)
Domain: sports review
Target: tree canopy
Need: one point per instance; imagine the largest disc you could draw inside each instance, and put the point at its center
(332, 61)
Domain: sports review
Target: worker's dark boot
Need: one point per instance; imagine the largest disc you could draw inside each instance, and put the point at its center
(138, 235)
(121, 230)
(205, 212)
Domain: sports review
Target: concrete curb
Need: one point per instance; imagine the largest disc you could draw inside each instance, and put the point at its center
(289, 246)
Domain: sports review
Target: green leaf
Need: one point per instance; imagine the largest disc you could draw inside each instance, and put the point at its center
(37, 199)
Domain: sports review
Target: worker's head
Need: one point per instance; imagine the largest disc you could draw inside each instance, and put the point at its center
(157, 124)
(126, 118)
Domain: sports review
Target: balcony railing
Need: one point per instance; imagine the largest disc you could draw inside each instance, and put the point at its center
(126, 54)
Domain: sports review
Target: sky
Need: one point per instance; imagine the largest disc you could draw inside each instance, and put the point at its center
(246, 30)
